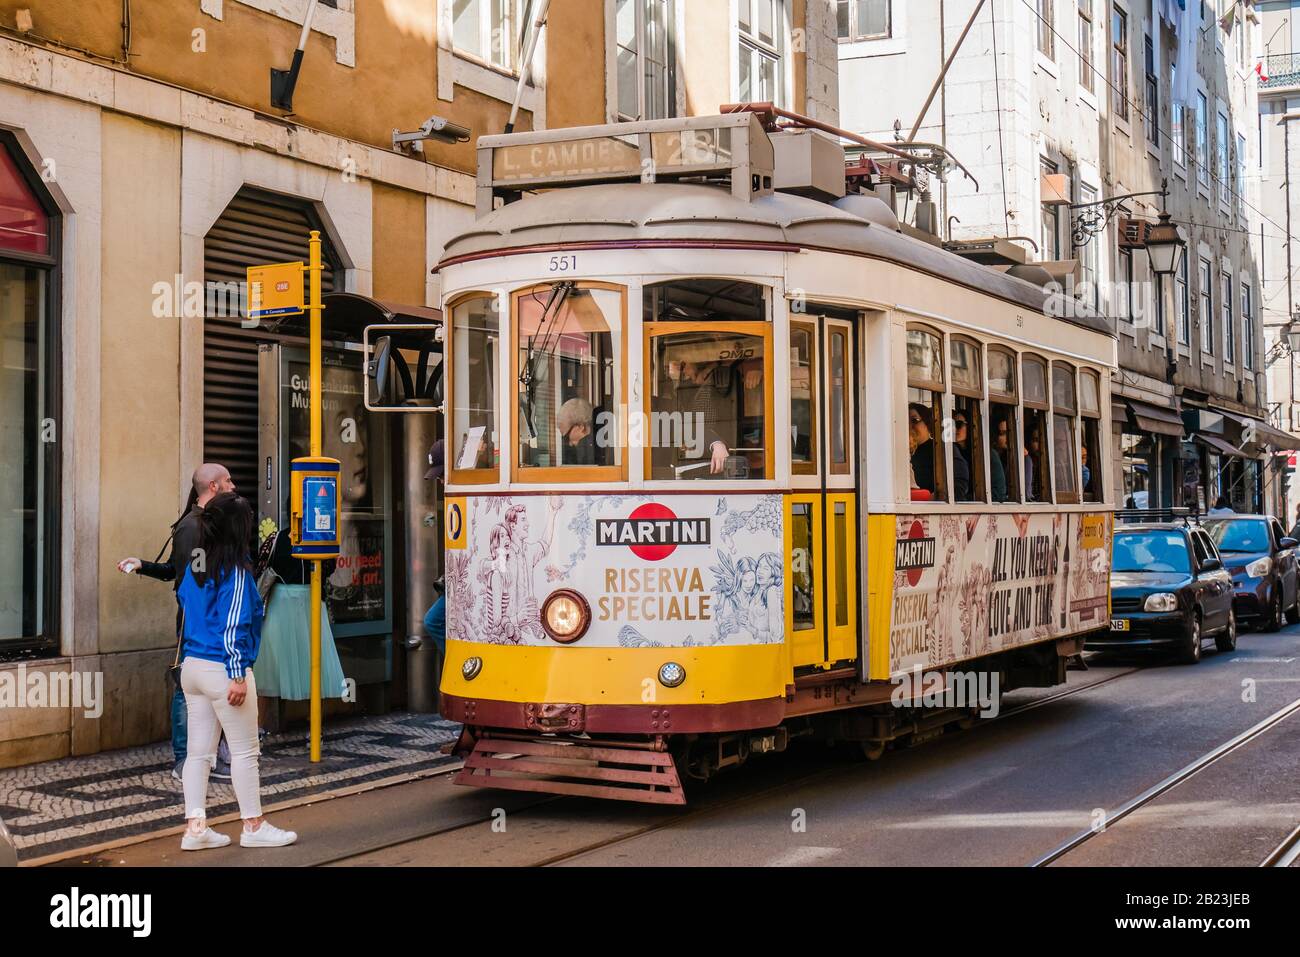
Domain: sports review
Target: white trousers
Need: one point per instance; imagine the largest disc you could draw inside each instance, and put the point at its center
(205, 685)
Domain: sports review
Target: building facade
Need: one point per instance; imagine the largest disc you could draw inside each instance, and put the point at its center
(1279, 164)
(1059, 109)
(144, 165)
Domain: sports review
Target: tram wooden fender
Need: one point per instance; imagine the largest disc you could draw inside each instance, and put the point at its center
(612, 770)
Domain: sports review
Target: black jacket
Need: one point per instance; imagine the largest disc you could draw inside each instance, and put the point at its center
(185, 539)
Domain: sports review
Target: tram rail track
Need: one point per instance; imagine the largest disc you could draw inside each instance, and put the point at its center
(1285, 854)
(689, 814)
(1289, 849)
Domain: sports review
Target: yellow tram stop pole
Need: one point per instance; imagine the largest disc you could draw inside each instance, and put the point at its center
(314, 307)
(277, 290)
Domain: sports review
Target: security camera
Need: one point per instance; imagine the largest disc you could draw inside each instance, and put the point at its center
(434, 128)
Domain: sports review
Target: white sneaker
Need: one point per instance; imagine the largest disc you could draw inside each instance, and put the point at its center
(268, 835)
(203, 840)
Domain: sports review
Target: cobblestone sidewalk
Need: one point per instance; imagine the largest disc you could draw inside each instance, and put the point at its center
(62, 805)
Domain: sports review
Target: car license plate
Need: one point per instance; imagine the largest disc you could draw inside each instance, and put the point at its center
(1119, 624)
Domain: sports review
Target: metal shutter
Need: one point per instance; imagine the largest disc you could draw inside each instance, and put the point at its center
(256, 228)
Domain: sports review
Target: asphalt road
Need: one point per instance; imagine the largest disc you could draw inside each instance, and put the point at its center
(1006, 792)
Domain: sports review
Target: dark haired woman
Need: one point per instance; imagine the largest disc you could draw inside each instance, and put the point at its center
(223, 624)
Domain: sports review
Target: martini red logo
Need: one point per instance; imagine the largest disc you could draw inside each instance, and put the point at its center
(653, 531)
(914, 554)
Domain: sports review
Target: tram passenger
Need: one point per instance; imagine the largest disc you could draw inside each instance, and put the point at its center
(997, 461)
(920, 434)
(575, 420)
(961, 484)
(704, 391)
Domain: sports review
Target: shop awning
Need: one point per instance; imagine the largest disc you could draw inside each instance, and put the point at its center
(1152, 418)
(1216, 443)
(1264, 433)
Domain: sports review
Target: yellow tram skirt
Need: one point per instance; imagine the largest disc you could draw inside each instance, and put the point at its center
(617, 689)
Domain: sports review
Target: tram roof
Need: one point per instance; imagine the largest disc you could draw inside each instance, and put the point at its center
(618, 213)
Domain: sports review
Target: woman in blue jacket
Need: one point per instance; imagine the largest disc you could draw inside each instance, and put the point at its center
(222, 629)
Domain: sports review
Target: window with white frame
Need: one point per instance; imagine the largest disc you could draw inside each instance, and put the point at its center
(1229, 328)
(863, 20)
(1206, 278)
(760, 25)
(1221, 158)
(1182, 305)
(1151, 103)
(647, 69)
(1202, 139)
(1087, 255)
(1086, 78)
(1247, 328)
(1046, 36)
(1050, 237)
(1240, 186)
(1176, 131)
(1119, 62)
(487, 31)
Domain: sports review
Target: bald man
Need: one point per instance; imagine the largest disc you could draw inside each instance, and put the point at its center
(208, 481)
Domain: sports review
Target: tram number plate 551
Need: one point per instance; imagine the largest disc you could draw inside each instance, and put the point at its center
(562, 263)
(1119, 624)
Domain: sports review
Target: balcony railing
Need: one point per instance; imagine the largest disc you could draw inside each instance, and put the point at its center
(1283, 69)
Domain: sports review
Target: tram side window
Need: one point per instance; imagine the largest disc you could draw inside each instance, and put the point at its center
(1037, 465)
(1004, 477)
(1090, 449)
(924, 410)
(570, 347)
(967, 432)
(708, 356)
(803, 398)
(1063, 433)
(475, 326)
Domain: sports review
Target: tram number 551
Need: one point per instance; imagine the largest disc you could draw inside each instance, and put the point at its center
(563, 263)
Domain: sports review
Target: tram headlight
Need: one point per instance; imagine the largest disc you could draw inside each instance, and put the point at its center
(671, 674)
(1161, 601)
(471, 667)
(565, 616)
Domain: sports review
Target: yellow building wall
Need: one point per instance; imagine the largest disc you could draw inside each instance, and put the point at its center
(139, 378)
(394, 82)
(706, 70)
(575, 64)
(399, 245)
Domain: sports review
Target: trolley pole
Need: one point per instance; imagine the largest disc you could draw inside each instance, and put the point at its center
(314, 307)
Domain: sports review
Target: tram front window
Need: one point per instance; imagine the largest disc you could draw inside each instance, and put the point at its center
(569, 378)
(707, 405)
(474, 333)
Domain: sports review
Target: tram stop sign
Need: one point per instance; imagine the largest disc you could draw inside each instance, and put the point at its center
(275, 290)
(314, 507)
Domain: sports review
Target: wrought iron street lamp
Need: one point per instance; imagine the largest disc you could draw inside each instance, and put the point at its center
(1165, 245)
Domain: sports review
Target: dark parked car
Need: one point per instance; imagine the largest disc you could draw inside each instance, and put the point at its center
(1168, 590)
(1261, 559)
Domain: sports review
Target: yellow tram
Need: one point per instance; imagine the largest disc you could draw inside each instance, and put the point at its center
(730, 453)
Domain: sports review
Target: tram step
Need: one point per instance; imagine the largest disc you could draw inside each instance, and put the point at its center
(606, 771)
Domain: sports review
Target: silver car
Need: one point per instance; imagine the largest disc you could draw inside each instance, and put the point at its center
(8, 851)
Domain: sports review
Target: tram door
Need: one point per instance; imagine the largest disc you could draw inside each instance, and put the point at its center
(821, 515)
